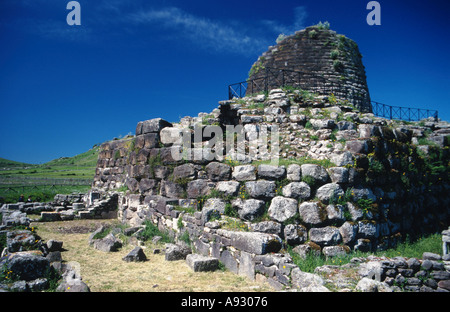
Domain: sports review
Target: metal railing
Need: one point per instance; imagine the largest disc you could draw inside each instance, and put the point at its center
(402, 113)
(275, 78)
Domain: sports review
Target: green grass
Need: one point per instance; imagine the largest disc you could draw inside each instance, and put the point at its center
(40, 193)
(408, 249)
(81, 166)
(151, 230)
(299, 161)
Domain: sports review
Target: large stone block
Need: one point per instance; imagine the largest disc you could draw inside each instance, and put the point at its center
(186, 171)
(199, 263)
(212, 207)
(307, 282)
(108, 244)
(325, 236)
(136, 255)
(318, 173)
(339, 174)
(297, 190)
(218, 172)
(311, 213)
(49, 216)
(282, 208)
(250, 209)
(255, 242)
(28, 265)
(328, 191)
(271, 172)
(197, 188)
(228, 188)
(152, 126)
(261, 189)
(171, 136)
(244, 173)
(176, 252)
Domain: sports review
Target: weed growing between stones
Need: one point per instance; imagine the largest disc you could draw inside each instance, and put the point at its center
(151, 230)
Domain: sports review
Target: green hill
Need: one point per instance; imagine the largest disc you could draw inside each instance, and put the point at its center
(6, 163)
(63, 175)
(81, 166)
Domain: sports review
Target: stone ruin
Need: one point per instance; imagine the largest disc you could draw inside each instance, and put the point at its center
(342, 179)
(363, 185)
(328, 63)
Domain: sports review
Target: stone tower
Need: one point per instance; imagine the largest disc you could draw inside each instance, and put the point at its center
(315, 59)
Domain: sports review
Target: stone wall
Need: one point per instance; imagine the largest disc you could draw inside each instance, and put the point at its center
(346, 181)
(316, 52)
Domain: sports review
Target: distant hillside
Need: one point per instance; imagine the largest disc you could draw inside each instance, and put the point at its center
(86, 159)
(6, 163)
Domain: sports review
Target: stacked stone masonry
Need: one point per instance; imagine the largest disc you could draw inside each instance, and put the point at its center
(328, 61)
(364, 185)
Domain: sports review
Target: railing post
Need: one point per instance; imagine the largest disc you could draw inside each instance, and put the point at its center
(266, 81)
(390, 112)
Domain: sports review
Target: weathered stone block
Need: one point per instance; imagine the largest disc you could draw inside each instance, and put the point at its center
(271, 172)
(297, 190)
(294, 173)
(261, 189)
(176, 252)
(295, 234)
(169, 136)
(197, 188)
(28, 265)
(48, 216)
(228, 188)
(244, 173)
(186, 171)
(108, 244)
(338, 174)
(311, 213)
(282, 208)
(152, 126)
(254, 242)
(317, 172)
(199, 263)
(136, 255)
(213, 207)
(326, 236)
(328, 191)
(250, 209)
(348, 232)
(218, 172)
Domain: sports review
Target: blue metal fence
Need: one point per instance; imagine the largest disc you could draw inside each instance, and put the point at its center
(402, 113)
(282, 77)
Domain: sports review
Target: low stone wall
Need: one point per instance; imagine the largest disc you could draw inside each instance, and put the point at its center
(431, 273)
(93, 205)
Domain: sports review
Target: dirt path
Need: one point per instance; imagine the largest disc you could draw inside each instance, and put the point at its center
(107, 272)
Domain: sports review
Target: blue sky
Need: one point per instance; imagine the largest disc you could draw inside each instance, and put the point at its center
(65, 88)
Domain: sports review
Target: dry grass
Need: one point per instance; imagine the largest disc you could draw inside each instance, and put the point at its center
(107, 272)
